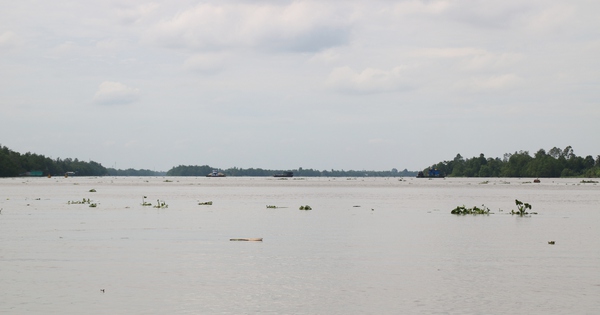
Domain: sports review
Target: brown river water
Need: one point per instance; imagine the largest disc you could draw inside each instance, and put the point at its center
(368, 246)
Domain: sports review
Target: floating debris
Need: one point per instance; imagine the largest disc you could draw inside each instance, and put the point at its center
(207, 203)
(83, 201)
(307, 207)
(258, 239)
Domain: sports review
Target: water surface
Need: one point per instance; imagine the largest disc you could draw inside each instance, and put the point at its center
(369, 246)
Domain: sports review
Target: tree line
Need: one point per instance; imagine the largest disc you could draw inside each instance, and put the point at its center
(16, 164)
(554, 163)
(195, 170)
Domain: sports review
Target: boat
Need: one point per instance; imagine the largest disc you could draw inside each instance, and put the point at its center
(284, 174)
(215, 174)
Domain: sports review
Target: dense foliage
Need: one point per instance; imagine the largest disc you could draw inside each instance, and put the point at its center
(16, 164)
(133, 172)
(554, 163)
(194, 170)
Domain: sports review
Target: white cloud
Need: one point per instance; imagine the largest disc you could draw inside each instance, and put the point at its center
(420, 7)
(115, 93)
(297, 26)
(325, 56)
(9, 41)
(497, 82)
(370, 80)
(552, 18)
(134, 14)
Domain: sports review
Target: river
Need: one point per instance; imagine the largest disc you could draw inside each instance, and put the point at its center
(368, 246)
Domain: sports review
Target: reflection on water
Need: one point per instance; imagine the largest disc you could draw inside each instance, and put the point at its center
(369, 246)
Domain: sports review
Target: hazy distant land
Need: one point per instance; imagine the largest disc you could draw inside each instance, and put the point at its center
(554, 163)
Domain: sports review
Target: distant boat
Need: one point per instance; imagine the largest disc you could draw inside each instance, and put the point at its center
(284, 174)
(215, 174)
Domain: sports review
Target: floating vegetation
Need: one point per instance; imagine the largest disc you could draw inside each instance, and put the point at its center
(167, 181)
(475, 210)
(589, 182)
(207, 203)
(271, 207)
(551, 242)
(93, 205)
(92, 190)
(522, 208)
(80, 202)
(144, 203)
(161, 204)
(307, 207)
(484, 182)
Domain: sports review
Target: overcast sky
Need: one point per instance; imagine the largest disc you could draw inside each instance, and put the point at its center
(353, 84)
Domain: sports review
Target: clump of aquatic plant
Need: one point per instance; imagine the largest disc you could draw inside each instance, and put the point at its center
(589, 182)
(161, 204)
(307, 207)
(484, 182)
(475, 210)
(522, 208)
(144, 203)
(271, 207)
(80, 202)
(93, 205)
(167, 181)
(206, 203)
(92, 190)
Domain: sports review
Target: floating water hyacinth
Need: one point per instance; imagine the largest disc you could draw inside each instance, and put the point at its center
(475, 210)
(522, 208)
(144, 203)
(161, 204)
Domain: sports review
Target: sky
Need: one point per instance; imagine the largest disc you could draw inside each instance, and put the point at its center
(352, 85)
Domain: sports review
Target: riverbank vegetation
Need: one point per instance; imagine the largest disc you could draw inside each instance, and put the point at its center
(554, 163)
(14, 164)
(195, 170)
